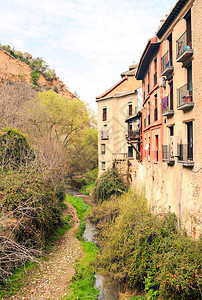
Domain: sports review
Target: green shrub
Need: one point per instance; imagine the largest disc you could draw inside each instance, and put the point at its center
(29, 192)
(108, 184)
(35, 75)
(14, 149)
(148, 252)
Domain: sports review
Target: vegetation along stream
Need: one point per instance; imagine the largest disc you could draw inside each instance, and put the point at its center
(107, 290)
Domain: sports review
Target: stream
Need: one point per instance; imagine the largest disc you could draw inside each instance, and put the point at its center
(108, 290)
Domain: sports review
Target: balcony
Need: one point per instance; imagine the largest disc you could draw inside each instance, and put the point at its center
(167, 107)
(166, 65)
(104, 135)
(155, 78)
(119, 157)
(133, 135)
(166, 155)
(185, 155)
(184, 47)
(184, 98)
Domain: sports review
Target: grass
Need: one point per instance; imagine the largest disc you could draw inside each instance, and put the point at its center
(82, 286)
(87, 189)
(17, 280)
(81, 207)
(92, 174)
(90, 178)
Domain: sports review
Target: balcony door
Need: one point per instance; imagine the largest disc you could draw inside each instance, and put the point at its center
(171, 94)
(190, 140)
(189, 79)
(188, 25)
(170, 40)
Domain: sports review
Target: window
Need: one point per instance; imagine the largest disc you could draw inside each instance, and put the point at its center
(130, 128)
(171, 130)
(105, 132)
(104, 114)
(102, 148)
(189, 80)
(157, 147)
(189, 140)
(148, 80)
(155, 109)
(188, 25)
(130, 109)
(155, 71)
(130, 151)
(170, 40)
(149, 108)
(171, 94)
(103, 165)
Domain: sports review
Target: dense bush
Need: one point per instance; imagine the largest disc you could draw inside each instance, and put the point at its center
(108, 184)
(14, 149)
(148, 252)
(30, 198)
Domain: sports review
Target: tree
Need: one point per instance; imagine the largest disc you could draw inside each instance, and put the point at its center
(14, 98)
(35, 75)
(84, 152)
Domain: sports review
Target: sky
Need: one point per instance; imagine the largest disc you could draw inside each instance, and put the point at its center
(88, 42)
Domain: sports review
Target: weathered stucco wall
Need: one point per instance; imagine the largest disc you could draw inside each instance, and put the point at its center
(173, 188)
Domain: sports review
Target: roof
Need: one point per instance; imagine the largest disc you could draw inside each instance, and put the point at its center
(149, 50)
(112, 88)
(171, 17)
(117, 95)
(131, 72)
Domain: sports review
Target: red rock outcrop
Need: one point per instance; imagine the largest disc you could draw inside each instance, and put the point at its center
(12, 69)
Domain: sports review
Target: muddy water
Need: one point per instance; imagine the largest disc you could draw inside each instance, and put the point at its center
(108, 289)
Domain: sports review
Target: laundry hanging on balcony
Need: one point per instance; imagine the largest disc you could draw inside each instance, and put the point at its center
(165, 101)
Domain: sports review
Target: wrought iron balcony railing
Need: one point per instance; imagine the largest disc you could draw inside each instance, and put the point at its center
(184, 46)
(133, 134)
(166, 154)
(185, 153)
(167, 107)
(184, 97)
(166, 64)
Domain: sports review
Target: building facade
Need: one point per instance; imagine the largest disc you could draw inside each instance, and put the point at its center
(168, 147)
(172, 176)
(119, 133)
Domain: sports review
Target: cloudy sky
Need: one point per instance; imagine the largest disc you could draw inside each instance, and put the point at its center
(88, 42)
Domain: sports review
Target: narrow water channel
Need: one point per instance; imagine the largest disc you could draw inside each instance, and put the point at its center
(108, 290)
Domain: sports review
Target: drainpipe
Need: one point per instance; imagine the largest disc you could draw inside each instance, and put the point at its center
(180, 199)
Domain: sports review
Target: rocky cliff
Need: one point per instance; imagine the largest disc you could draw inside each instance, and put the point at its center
(12, 69)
